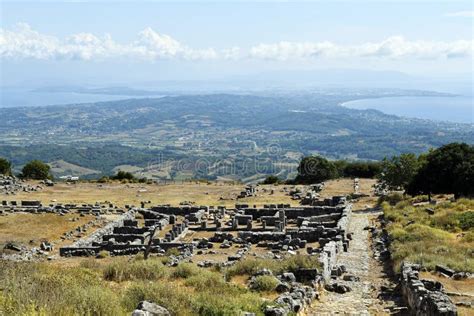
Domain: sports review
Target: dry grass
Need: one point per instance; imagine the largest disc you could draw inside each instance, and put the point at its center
(121, 194)
(345, 186)
(24, 227)
(215, 193)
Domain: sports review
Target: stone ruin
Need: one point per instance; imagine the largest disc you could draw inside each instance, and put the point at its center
(279, 229)
(276, 227)
(318, 229)
(116, 236)
(249, 191)
(10, 185)
(35, 206)
(425, 297)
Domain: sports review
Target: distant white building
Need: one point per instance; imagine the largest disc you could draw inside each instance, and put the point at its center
(69, 178)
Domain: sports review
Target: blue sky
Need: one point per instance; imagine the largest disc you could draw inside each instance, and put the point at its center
(125, 41)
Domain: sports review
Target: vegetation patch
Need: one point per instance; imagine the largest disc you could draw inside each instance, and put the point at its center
(441, 234)
(92, 288)
(250, 266)
(264, 283)
(124, 270)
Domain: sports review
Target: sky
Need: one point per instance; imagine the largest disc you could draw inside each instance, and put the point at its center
(123, 42)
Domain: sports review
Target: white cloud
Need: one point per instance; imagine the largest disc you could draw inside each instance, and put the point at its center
(394, 47)
(291, 50)
(462, 14)
(25, 43)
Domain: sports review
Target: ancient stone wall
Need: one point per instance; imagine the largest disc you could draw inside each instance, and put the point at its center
(424, 297)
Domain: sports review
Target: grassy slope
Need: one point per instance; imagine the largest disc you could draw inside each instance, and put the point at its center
(446, 237)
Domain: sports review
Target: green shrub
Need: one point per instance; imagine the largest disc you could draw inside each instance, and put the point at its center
(206, 280)
(124, 175)
(185, 270)
(392, 198)
(265, 283)
(271, 180)
(466, 220)
(468, 237)
(445, 219)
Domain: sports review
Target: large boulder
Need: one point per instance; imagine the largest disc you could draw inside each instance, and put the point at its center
(146, 308)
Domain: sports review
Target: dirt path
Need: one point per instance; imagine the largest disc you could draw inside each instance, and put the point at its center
(366, 297)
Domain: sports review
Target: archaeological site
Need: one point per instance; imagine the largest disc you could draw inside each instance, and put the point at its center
(320, 249)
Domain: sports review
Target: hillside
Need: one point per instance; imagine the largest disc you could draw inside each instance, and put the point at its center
(244, 131)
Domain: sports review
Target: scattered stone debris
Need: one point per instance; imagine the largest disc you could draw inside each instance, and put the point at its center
(10, 185)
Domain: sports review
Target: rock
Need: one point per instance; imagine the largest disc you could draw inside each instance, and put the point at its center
(146, 308)
(460, 275)
(338, 288)
(430, 211)
(225, 245)
(350, 277)
(234, 257)
(12, 246)
(445, 270)
(283, 287)
(263, 271)
(288, 277)
(275, 311)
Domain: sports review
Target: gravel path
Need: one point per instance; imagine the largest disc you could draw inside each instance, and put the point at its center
(363, 299)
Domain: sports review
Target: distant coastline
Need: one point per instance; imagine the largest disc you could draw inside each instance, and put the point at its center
(456, 108)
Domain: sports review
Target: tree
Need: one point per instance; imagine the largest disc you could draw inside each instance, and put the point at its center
(315, 169)
(396, 173)
(271, 180)
(123, 175)
(5, 167)
(36, 170)
(362, 169)
(447, 170)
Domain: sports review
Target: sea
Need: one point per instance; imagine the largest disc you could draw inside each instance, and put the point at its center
(458, 109)
(13, 97)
